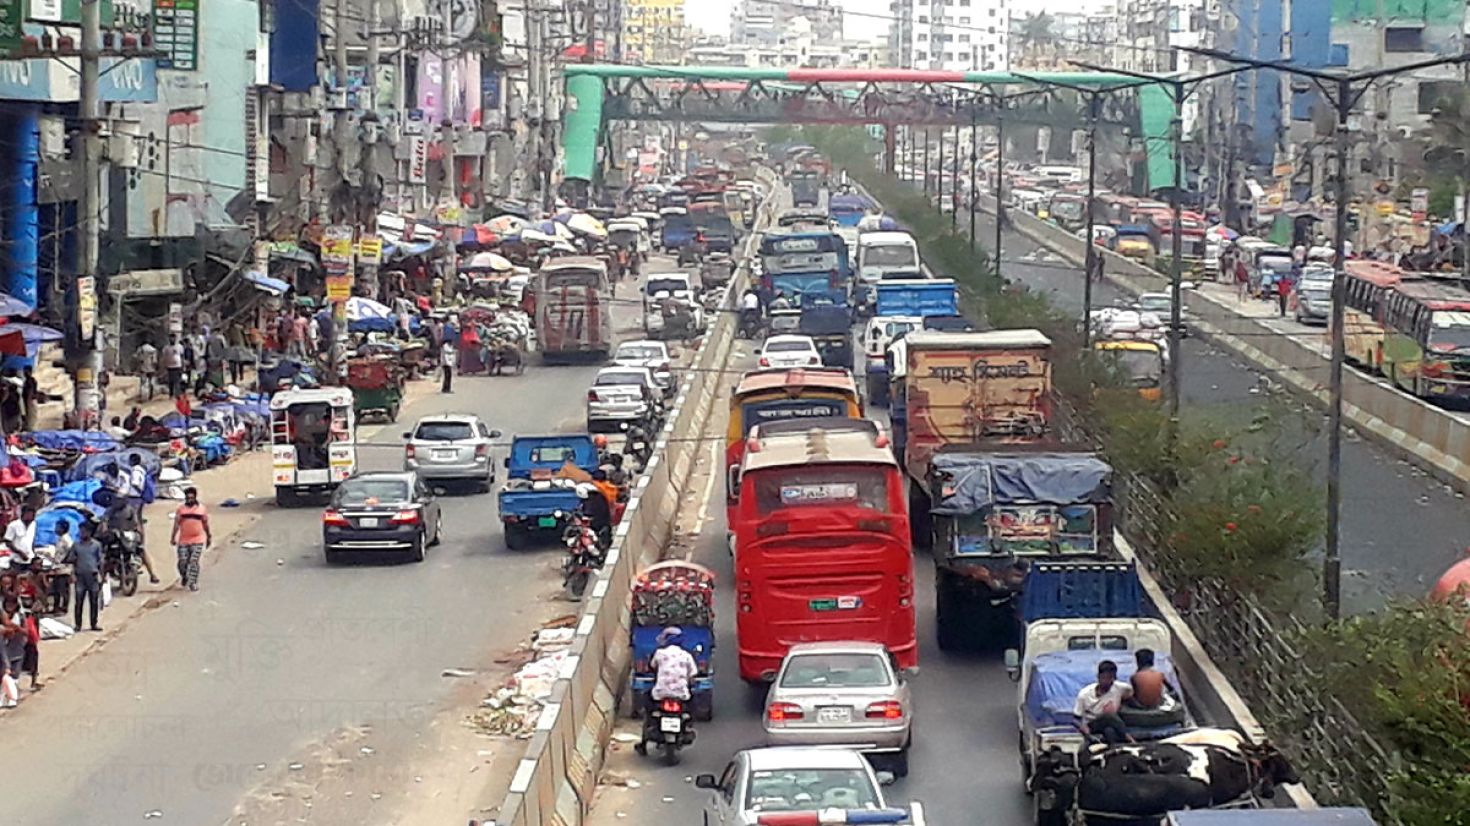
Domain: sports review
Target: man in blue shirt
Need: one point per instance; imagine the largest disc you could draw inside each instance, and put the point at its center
(85, 558)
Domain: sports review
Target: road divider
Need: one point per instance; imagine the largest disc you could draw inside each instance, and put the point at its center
(1423, 433)
(556, 778)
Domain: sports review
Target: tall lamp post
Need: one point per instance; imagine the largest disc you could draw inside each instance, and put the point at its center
(1343, 91)
(975, 165)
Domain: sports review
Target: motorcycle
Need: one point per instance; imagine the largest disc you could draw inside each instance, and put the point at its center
(122, 559)
(638, 447)
(670, 725)
(586, 552)
(750, 324)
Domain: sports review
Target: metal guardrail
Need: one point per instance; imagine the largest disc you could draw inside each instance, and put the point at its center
(555, 780)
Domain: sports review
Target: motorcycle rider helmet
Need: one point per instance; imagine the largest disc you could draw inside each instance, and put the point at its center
(670, 636)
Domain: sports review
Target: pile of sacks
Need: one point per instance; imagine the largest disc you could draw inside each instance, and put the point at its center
(514, 708)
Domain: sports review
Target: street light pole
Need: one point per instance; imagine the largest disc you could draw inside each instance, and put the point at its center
(954, 181)
(974, 165)
(939, 174)
(1176, 250)
(1000, 168)
(1342, 90)
(1090, 262)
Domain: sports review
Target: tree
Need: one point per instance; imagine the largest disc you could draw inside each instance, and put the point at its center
(1036, 31)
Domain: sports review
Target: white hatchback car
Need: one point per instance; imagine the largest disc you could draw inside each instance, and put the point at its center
(653, 355)
(763, 781)
(789, 351)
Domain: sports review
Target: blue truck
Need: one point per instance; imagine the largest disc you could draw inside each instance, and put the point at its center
(901, 306)
(540, 487)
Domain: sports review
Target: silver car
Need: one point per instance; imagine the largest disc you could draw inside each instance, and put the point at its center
(451, 447)
(651, 354)
(842, 693)
(763, 781)
(620, 394)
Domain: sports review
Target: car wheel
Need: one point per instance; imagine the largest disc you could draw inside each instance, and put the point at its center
(515, 537)
(485, 485)
(416, 549)
(438, 530)
(332, 557)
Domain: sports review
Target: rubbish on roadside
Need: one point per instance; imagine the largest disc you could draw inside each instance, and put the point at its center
(367, 750)
(230, 503)
(553, 639)
(456, 672)
(153, 813)
(626, 737)
(280, 562)
(563, 621)
(296, 767)
(53, 629)
(252, 545)
(668, 799)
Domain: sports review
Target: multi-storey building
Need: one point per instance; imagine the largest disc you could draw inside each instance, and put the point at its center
(654, 31)
(952, 35)
(765, 22)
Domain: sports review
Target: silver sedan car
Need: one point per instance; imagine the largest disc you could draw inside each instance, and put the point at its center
(842, 693)
(451, 447)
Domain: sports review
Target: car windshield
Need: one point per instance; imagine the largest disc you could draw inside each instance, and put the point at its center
(897, 255)
(661, 285)
(1141, 366)
(835, 671)
(607, 379)
(794, 790)
(788, 346)
(443, 431)
(1154, 303)
(638, 352)
(371, 492)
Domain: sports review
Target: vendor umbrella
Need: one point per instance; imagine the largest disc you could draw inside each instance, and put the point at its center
(488, 261)
(584, 224)
(482, 235)
(505, 224)
(536, 236)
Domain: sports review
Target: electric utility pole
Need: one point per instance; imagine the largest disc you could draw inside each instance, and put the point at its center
(89, 357)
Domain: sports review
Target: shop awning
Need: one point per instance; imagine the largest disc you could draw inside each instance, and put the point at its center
(265, 283)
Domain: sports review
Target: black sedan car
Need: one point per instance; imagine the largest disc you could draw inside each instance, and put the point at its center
(381, 512)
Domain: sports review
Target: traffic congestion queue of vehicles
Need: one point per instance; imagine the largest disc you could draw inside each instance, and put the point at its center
(1413, 328)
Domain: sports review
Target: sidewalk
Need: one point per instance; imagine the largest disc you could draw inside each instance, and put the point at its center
(246, 478)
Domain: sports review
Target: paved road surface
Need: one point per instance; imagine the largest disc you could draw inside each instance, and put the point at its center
(287, 689)
(964, 759)
(1401, 528)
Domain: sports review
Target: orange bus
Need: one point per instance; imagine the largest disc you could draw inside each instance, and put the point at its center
(822, 543)
(776, 395)
(1368, 285)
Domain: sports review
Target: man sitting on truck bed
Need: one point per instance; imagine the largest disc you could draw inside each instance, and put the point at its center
(1098, 704)
(1147, 682)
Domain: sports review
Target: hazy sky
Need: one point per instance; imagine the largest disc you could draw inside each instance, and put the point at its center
(713, 16)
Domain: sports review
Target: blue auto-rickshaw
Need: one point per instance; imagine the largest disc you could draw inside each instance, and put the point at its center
(681, 594)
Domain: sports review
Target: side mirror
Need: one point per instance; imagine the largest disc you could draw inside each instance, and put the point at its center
(495, 434)
(885, 778)
(705, 781)
(1013, 664)
(507, 462)
(910, 672)
(408, 434)
(732, 481)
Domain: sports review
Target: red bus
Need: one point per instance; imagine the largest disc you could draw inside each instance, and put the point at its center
(822, 543)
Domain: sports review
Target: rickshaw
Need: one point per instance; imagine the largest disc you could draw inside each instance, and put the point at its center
(377, 385)
(681, 594)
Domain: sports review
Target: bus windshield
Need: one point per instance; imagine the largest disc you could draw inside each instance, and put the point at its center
(1450, 330)
(785, 409)
(822, 486)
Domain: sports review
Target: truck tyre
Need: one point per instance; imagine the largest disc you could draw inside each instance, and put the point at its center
(948, 614)
(515, 537)
(286, 498)
(875, 388)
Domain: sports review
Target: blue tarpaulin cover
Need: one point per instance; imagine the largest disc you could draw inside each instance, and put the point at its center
(978, 481)
(87, 465)
(74, 440)
(48, 519)
(1060, 676)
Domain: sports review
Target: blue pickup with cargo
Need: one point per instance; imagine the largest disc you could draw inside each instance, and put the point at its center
(804, 262)
(899, 307)
(540, 494)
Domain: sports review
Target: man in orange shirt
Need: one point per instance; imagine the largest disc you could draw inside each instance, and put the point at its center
(191, 536)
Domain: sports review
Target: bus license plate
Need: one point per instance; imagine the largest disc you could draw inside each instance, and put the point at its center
(835, 604)
(546, 521)
(670, 724)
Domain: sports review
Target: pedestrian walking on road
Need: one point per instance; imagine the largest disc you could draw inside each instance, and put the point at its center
(447, 356)
(1283, 291)
(13, 638)
(191, 536)
(85, 558)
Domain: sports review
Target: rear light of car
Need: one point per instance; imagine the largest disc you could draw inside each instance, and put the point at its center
(765, 362)
(406, 517)
(481, 451)
(332, 517)
(886, 710)
(784, 712)
(409, 451)
(591, 395)
(813, 360)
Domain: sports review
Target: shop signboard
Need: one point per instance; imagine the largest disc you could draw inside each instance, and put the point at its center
(337, 244)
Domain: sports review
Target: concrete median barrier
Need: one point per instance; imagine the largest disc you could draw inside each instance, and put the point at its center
(555, 780)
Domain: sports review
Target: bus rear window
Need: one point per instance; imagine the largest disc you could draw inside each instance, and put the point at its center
(823, 486)
(785, 410)
(557, 279)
